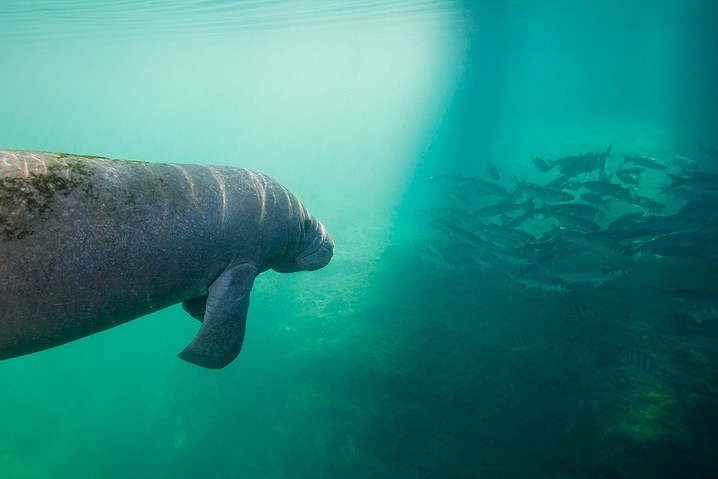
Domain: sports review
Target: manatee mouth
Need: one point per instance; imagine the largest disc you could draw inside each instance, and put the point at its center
(318, 253)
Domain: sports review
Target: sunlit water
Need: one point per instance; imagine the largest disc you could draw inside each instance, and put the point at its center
(383, 364)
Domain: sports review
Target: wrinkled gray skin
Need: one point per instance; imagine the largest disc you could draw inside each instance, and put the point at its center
(90, 243)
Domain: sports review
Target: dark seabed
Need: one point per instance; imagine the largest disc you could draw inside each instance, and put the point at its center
(524, 200)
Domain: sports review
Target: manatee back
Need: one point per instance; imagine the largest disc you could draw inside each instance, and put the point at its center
(88, 243)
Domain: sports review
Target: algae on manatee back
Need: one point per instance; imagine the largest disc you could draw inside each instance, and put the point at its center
(25, 200)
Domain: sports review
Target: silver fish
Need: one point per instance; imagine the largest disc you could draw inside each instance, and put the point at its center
(585, 163)
(542, 165)
(629, 176)
(503, 208)
(576, 223)
(679, 323)
(539, 192)
(543, 285)
(488, 188)
(645, 161)
(465, 235)
(597, 278)
(597, 200)
(492, 171)
(576, 209)
(705, 182)
(642, 360)
(648, 203)
(510, 234)
(685, 164)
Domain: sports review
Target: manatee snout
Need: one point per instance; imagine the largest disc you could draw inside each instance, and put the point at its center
(314, 250)
(319, 252)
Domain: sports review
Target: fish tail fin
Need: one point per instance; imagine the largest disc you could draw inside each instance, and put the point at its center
(607, 204)
(676, 181)
(545, 210)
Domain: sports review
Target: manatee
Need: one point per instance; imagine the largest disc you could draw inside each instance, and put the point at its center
(88, 243)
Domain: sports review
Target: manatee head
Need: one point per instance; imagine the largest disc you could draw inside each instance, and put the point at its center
(313, 250)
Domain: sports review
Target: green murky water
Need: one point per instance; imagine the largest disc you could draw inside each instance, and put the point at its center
(435, 344)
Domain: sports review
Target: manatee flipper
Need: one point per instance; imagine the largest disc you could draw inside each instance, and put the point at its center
(196, 307)
(220, 337)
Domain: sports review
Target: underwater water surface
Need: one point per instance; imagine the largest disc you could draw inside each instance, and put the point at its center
(523, 198)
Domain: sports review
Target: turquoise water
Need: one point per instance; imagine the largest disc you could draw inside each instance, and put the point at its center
(406, 356)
